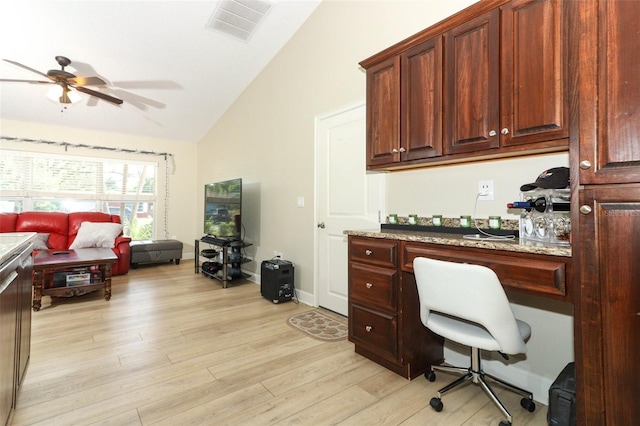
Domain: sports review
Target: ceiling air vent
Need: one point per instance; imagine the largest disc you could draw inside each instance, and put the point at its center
(239, 18)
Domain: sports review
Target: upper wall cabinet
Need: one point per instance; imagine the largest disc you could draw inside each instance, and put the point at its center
(472, 101)
(421, 93)
(488, 82)
(610, 94)
(383, 112)
(534, 68)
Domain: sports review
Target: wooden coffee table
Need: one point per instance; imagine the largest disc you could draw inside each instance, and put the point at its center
(68, 273)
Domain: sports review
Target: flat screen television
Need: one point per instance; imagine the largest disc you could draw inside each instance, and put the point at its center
(223, 208)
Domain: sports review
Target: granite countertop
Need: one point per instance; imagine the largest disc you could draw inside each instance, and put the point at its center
(13, 242)
(459, 240)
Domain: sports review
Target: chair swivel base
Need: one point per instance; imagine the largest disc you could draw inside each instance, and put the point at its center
(476, 375)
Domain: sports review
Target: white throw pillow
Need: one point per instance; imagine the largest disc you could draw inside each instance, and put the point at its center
(96, 234)
(40, 243)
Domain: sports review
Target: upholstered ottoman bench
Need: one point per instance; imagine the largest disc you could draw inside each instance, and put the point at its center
(155, 251)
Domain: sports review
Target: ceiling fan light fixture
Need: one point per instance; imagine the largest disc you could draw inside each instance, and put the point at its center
(58, 94)
(74, 96)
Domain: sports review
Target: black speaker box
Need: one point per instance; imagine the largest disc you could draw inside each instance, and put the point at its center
(562, 398)
(276, 280)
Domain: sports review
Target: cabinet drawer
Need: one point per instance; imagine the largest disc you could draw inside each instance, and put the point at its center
(531, 273)
(373, 330)
(373, 251)
(373, 286)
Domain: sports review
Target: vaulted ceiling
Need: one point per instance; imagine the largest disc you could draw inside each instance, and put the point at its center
(176, 75)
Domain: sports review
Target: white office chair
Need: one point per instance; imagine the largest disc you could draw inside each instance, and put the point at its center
(467, 304)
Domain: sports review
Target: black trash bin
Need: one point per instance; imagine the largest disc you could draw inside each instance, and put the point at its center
(562, 398)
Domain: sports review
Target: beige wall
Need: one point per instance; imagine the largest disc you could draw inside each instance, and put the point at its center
(267, 138)
(182, 174)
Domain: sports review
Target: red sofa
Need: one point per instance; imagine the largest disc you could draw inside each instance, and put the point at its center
(63, 228)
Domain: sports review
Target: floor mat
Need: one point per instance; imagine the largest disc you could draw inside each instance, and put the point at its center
(320, 326)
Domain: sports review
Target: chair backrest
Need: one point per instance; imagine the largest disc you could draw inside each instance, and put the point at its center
(468, 292)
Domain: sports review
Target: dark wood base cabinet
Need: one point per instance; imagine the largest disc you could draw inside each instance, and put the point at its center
(609, 311)
(384, 316)
(15, 330)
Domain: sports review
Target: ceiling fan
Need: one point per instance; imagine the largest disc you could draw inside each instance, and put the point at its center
(66, 81)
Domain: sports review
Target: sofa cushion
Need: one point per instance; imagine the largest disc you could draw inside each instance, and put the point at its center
(93, 234)
(40, 242)
(8, 222)
(53, 223)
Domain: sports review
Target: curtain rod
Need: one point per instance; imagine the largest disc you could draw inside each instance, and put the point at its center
(82, 145)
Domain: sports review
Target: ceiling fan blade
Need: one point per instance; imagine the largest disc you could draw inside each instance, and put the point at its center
(11, 80)
(87, 81)
(27, 68)
(99, 95)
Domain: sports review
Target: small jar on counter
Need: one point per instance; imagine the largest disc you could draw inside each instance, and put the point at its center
(495, 222)
(392, 219)
(465, 221)
(413, 219)
(437, 220)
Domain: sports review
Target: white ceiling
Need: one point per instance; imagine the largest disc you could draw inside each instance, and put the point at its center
(176, 76)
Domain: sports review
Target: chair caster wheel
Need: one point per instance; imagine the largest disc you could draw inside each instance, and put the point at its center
(505, 423)
(436, 404)
(430, 376)
(528, 404)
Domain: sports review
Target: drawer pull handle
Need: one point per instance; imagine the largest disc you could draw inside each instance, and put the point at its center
(368, 328)
(368, 252)
(368, 285)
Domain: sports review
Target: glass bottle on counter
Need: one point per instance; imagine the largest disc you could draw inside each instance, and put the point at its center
(540, 204)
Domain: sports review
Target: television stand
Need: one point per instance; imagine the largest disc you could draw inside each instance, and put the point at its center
(227, 265)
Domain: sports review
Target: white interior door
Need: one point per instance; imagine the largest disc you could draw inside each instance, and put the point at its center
(346, 198)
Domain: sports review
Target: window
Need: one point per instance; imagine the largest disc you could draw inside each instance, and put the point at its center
(38, 182)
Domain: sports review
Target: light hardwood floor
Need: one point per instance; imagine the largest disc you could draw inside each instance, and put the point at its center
(175, 348)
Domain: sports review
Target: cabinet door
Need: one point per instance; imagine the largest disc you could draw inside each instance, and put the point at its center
(609, 309)
(472, 72)
(8, 326)
(609, 92)
(421, 94)
(25, 300)
(383, 113)
(534, 106)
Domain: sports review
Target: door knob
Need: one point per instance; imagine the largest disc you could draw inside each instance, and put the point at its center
(585, 209)
(321, 225)
(504, 131)
(492, 133)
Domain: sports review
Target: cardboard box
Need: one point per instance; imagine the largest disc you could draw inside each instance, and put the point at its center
(78, 279)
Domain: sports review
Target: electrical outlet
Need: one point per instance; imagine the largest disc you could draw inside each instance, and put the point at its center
(485, 190)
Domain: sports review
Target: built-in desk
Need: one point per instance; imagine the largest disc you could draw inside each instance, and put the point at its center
(384, 319)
